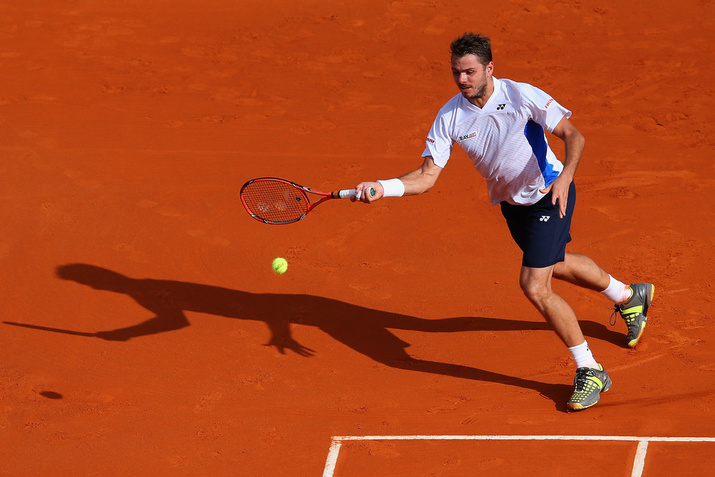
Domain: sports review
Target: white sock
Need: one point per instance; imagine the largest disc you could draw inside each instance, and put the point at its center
(583, 356)
(617, 291)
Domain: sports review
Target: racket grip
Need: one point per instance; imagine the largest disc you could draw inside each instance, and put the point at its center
(352, 194)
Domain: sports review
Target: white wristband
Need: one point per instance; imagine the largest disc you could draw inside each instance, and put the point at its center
(392, 188)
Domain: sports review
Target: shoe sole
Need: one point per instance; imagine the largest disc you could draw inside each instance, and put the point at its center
(632, 343)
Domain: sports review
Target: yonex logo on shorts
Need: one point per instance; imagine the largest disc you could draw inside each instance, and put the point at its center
(544, 218)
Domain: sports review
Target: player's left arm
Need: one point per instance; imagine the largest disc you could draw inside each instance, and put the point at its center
(574, 143)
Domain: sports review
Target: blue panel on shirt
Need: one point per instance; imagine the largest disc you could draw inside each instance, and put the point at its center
(535, 136)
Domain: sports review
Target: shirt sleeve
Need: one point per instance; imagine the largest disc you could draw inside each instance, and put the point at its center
(439, 143)
(544, 109)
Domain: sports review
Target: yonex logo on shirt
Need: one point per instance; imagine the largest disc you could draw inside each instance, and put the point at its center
(500, 107)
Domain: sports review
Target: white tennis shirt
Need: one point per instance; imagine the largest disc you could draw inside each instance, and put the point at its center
(505, 139)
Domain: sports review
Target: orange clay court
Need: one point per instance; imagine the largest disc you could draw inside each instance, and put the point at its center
(398, 343)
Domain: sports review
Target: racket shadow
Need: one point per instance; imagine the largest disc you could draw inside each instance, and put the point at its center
(362, 329)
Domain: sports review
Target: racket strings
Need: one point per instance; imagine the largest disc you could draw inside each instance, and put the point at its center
(275, 201)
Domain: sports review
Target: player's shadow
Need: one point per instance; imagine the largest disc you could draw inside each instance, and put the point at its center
(365, 330)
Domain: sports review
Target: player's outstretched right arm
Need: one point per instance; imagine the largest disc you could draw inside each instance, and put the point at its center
(415, 182)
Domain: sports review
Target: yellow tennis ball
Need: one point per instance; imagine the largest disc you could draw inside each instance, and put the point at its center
(280, 265)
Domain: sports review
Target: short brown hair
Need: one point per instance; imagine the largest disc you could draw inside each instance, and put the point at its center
(472, 44)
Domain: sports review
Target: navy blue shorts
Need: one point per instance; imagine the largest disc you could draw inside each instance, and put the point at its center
(538, 230)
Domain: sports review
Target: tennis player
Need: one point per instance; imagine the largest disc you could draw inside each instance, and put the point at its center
(500, 124)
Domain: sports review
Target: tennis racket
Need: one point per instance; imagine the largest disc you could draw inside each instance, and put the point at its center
(277, 201)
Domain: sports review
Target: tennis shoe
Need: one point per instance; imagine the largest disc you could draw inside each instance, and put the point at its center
(634, 310)
(589, 383)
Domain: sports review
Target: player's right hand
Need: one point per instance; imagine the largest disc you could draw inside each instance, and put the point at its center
(368, 192)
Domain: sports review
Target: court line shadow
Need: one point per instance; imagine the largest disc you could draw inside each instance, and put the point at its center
(364, 330)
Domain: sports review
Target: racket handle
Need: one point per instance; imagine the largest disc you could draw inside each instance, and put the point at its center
(351, 194)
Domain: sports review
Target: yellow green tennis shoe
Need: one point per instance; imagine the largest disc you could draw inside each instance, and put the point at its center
(634, 310)
(589, 383)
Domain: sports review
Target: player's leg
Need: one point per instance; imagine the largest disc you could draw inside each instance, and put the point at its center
(591, 379)
(582, 271)
(631, 301)
(536, 285)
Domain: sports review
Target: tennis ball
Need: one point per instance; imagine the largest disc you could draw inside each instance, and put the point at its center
(280, 265)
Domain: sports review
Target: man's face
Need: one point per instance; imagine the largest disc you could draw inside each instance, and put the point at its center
(471, 76)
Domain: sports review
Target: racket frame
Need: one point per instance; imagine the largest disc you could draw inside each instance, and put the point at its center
(325, 196)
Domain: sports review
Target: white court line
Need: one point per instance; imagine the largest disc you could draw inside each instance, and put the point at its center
(332, 458)
(638, 464)
(522, 438)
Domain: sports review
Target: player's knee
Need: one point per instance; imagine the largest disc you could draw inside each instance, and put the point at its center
(536, 292)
